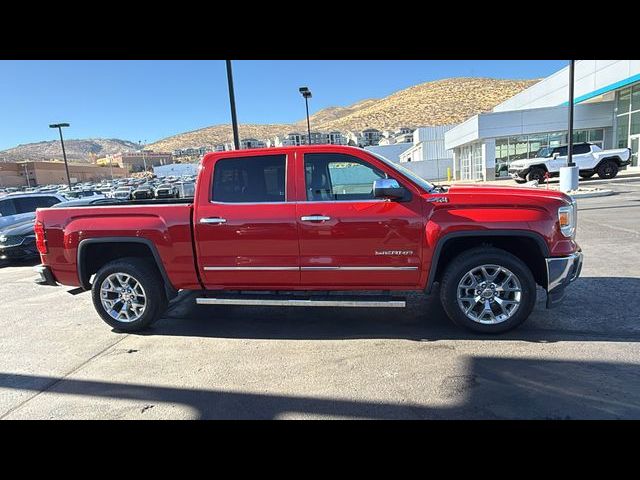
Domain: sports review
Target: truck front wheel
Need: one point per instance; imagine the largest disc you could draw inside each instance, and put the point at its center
(488, 290)
(128, 294)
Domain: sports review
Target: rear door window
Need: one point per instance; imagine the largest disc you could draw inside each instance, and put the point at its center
(259, 179)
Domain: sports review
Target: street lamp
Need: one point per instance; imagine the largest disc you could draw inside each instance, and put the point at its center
(306, 93)
(232, 101)
(144, 160)
(59, 126)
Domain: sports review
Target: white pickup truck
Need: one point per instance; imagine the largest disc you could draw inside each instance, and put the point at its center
(589, 158)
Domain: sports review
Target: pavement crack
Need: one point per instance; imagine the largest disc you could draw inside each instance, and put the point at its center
(53, 383)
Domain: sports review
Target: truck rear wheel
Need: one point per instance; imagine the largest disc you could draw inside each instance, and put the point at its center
(607, 169)
(128, 294)
(488, 290)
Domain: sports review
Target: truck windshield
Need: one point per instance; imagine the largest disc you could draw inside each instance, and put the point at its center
(421, 182)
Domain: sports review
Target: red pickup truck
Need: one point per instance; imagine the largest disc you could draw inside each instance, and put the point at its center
(317, 226)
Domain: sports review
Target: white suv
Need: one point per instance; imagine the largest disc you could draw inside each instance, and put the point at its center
(589, 158)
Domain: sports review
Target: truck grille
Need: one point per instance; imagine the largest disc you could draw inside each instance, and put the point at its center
(11, 241)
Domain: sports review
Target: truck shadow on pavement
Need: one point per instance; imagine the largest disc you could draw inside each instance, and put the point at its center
(595, 309)
(490, 388)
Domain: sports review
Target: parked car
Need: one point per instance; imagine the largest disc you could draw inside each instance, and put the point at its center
(17, 242)
(142, 193)
(123, 193)
(166, 190)
(18, 207)
(589, 158)
(304, 224)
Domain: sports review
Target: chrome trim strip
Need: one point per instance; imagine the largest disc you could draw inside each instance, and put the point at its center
(241, 269)
(301, 303)
(359, 268)
(310, 268)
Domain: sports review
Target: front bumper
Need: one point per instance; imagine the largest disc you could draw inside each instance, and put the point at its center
(561, 271)
(24, 251)
(45, 277)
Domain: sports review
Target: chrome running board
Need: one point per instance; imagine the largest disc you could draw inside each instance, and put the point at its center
(303, 302)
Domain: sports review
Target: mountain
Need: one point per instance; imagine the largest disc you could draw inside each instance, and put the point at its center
(77, 150)
(439, 102)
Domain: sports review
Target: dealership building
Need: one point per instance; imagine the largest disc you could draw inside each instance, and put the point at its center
(607, 113)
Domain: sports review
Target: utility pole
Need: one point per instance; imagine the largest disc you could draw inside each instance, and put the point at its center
(26, 173)
(232, 101)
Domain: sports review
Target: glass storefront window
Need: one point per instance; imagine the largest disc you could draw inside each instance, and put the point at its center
(624, 101)
(580, 136)
(596, 135)
(635, 98)
(521, 148)
(536, 142)
(635, 123)
(557, 138)
(622, 131)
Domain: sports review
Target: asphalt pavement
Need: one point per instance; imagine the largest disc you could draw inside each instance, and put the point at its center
(58, 360)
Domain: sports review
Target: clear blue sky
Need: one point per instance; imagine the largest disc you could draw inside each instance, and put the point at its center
(149, 100)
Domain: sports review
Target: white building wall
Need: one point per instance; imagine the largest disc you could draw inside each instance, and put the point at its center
(590, 76)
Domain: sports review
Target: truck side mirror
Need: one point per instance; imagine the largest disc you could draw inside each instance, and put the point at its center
(388, 188)
(556, 155)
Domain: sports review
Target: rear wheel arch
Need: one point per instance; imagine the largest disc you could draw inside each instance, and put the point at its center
(529, 247)
(94, 253)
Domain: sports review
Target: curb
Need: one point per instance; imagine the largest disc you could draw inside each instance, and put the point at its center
(600, 193)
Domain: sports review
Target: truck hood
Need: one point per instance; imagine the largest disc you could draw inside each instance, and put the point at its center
(505, 195)
(520, 164)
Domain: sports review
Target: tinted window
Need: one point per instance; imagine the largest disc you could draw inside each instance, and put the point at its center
(7, 207)
(335, 176)
(581, 148)
(250, 179)
(562, 151)
(30, 204)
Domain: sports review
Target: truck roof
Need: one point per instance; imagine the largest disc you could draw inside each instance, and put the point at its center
(276, 150)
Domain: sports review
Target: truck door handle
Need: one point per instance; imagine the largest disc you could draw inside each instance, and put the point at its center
(213, 220)
(315, 218)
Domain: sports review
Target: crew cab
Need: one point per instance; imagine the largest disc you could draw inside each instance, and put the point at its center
(317, 226)
(589, 158)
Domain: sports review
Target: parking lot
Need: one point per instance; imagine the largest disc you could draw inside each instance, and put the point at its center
(58, 360)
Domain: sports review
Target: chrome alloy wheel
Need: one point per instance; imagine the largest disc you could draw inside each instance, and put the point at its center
(489, 294)
(123, 297)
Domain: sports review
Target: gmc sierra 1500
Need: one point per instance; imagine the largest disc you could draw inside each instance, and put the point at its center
(317, 226)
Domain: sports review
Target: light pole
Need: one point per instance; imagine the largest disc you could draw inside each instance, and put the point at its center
(144, 160)
(306, 94)
(232, 101)
(59, 126)
(569, 174)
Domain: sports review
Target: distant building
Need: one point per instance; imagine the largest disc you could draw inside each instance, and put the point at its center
(247, 143)
(136, 161)
(371, 136)
(428, 156)
(391, 152)
(19, 174)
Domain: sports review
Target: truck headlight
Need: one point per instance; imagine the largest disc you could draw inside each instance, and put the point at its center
(567, 219)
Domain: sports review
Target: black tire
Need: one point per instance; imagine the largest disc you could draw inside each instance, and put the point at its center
(475, 258)
(607, 169)
(520, 180)
(145, 273)
(587, 175)
(536, 173)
